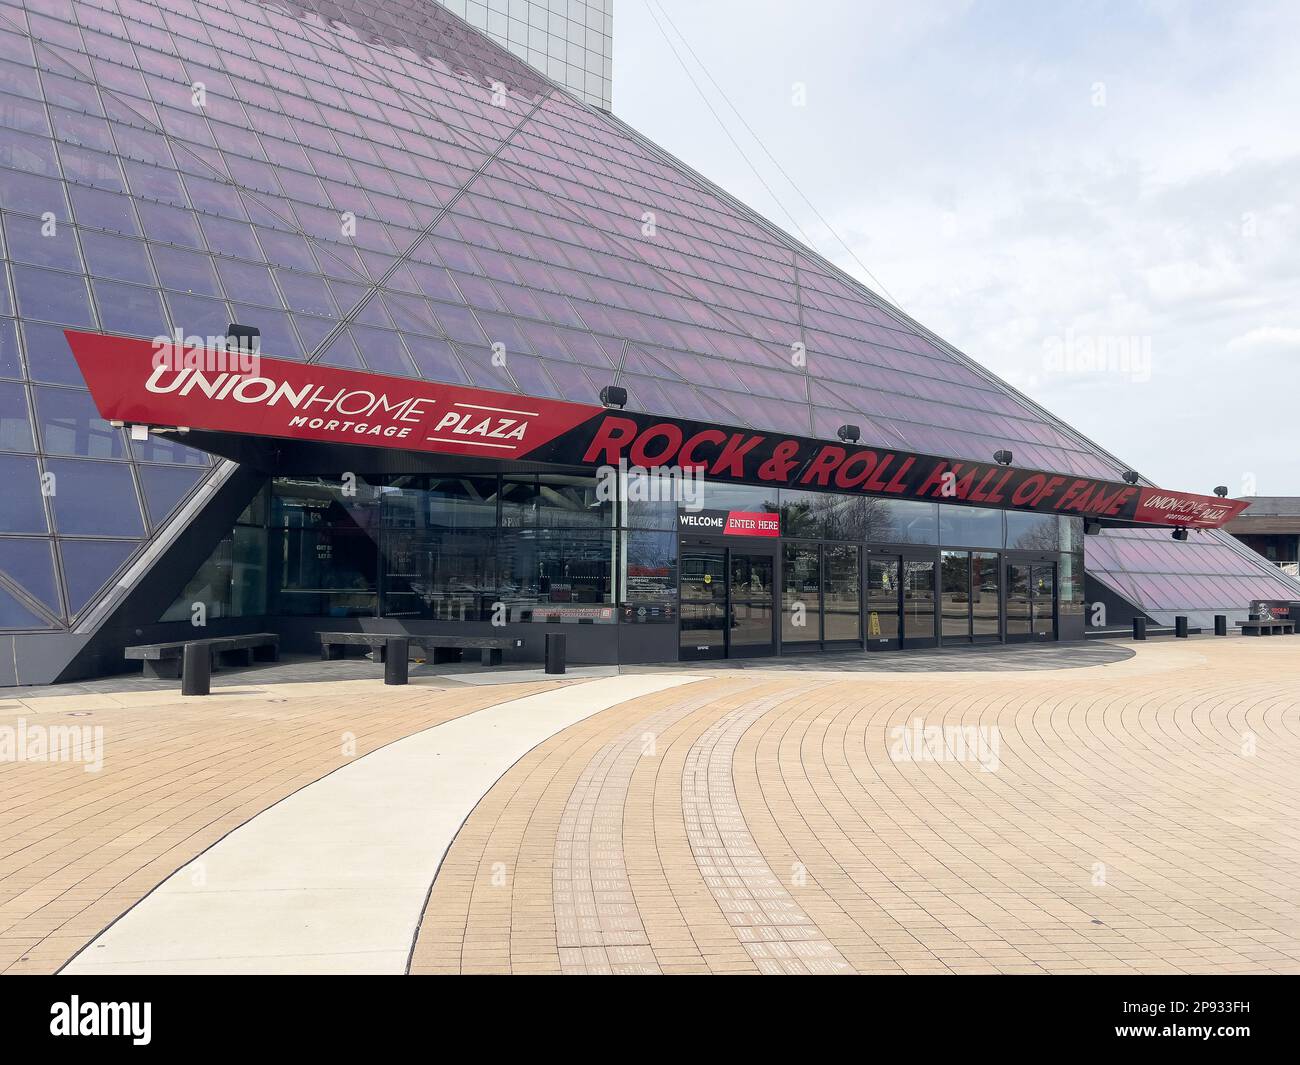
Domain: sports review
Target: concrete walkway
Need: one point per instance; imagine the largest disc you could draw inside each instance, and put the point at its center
(334, 878)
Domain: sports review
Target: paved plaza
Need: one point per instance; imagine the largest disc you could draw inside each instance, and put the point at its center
(1118, 808)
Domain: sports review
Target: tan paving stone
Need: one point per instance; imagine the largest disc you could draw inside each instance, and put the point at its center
(77, 849)
(771, 828)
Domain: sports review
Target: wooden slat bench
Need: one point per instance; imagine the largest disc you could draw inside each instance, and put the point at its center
(1267, 628)
(163, 660)
(334, 645)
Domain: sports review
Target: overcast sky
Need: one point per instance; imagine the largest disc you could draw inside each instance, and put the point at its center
(1035, 182)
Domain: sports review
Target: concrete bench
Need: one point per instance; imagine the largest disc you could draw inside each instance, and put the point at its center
(1267, 628)
(163, 660)
(334, 645)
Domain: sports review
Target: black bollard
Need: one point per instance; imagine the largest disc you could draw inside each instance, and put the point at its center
(1139, 628)
(1180, 626)
(196, 669)
(555, 652)
(1220, 624)
(396, 664)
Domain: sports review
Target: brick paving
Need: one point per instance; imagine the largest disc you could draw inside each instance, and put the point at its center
(1133, 816)
(78, 848)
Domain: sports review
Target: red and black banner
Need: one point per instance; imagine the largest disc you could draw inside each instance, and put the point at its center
(140, 382)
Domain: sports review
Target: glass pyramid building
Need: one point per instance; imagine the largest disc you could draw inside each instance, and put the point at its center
(379, 186)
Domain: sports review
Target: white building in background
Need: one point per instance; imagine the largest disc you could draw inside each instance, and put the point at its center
(570, 41)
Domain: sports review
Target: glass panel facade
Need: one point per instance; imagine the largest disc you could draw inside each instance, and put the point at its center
(971, 526)
(477, 213)
(984, 590)
(918, 600)
(842, 592)
(955, 597)
(801, 589)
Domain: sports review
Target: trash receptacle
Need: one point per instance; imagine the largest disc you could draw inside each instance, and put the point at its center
(555, 652)
(396, 664)
(196, 669)
(1139, 628)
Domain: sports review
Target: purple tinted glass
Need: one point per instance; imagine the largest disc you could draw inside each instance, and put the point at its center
(24, 509)
(278, 336)
(15, 428)
(164, 486)
(30, 564)
(435, 360)
(10, 363)
(245, 281)
(383, 351)
(94, 498)
(119, 258)
(89, 564)
(27, 243)
(48, 296)
(70, 425)
(186, 271)
(310, 295)
(197, 315)
(31, 194)
(172, 225)
(131, 309)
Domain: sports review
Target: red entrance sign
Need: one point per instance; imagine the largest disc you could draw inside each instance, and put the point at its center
(136, 382)
(753, 523)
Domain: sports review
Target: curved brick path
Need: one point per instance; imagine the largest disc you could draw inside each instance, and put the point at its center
(1134, 817)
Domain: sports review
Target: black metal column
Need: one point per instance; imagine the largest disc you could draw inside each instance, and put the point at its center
(1139, 628)
(555, 652)
(196, 669)
(1180, 626)
(396, 660)
(1220, 624)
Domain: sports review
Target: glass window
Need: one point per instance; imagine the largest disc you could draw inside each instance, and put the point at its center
(554, 567)
(901, 521)
(15, 429)
(918, 600)
(800, 593)
(1071, 533)
(955, 600)
(882, 599)
(329, 570)
(969, 526)
(24, 509)
(70, 425)
(94, 498)
(553, 501)
(88, 565)
(984, 594)
(841, 591)
(649, 568)
(1071, 594)
(1032, 532)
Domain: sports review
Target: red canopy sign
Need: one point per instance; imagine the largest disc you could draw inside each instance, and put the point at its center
(136, 381)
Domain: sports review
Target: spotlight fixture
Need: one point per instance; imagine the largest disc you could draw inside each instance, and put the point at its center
(850, 434)
(1130, 477)
(1180, 534)
(1091, 528)
(613, 396)
(1003, 457)
(1221, 491)
(243, 337)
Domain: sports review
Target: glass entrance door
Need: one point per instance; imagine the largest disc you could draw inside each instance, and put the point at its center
(1031, 600)
(703, 602)
(883, 610)
(1042, 601)
(918, 603)
(750, 589)
(726, 602)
